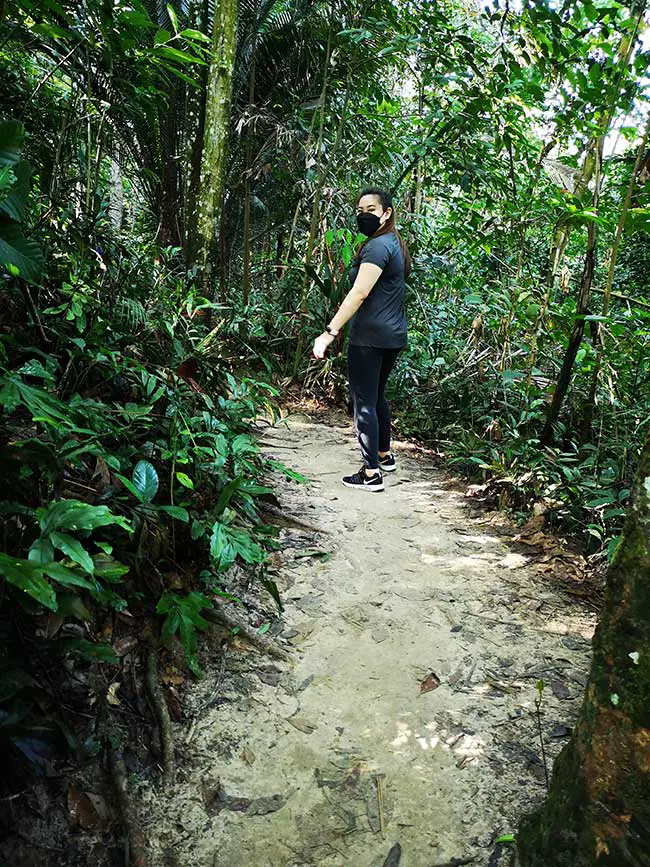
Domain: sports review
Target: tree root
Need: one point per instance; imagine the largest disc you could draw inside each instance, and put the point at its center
(290, 520)
(233, 621)
(162, 714)
(136, 850)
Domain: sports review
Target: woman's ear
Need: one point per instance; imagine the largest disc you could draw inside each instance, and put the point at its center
(388, 214)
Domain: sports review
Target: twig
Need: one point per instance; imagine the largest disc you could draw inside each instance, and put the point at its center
(34, 312)
(162, 715)
(538, 715)
(380, 803)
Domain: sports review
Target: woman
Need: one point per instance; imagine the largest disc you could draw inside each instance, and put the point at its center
(375, 304)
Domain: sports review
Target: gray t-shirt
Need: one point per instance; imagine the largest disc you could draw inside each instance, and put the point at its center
(380, 321)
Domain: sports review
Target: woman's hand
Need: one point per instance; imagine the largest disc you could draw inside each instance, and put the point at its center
(321, 344)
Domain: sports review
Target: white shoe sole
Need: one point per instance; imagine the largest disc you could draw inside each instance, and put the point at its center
(370, 488)
(387, 469)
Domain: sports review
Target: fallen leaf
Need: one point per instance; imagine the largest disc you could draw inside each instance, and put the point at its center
(560, 689)
(87, 809)
(302, 724)
(269, 674)
(125, 645)
(262, 806)
(172, 676)
(111, 695)
(103, 473)
(248, 756)
(430, 682)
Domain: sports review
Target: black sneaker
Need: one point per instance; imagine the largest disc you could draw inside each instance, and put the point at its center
(387, 463)
(363, 482)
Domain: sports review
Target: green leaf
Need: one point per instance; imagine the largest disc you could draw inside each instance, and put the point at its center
(272, 588)
(243, 444)
(172, 17)
(91, 651)
(12, 134)
(76, 515)
(175, 54)
(195, 34)
(29, 577)
(41, 550)
(145, 480)
(183, 617)
(222, 551)
(177, 512)
(197, 530)
(20, 252)
(131, 488)
(15, 202)
(185, 480)
(68, 577)
(227, 494)
(73, 549)
(108, 568)
(161, 37)
(607, 498)
(505, 838)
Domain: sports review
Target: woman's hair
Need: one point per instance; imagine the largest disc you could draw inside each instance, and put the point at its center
(389, 226)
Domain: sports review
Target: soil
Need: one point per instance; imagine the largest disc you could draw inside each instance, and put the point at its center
(407, 715)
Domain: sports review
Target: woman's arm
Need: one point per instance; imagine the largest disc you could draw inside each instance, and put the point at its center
(366, 279)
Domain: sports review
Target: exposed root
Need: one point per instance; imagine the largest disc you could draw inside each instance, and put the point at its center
(136, 850)
(162, 714)
(285, 520)
(233, 621)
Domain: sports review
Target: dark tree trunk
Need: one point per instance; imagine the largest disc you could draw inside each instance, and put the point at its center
(582, 310)
(597, 813)
(279, 247)
(170, 197)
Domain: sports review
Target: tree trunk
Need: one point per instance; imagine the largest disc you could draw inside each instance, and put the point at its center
(597, 812)
(582, 309)
(246, 266)
(116, 196)
(215, 139)
(194, 131)
(170, 184)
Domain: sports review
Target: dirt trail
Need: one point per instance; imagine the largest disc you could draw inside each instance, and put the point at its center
(334, 759)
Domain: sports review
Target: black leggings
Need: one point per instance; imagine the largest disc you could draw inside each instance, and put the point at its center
(368, 369)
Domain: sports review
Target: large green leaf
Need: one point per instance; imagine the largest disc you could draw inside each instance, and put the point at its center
(41, 550)
(73, 549)
(28, 576)
(15, 201)
(145, 480)
(68, 577)
(12, 134)
(227, 543)
(19, 255)
(177, 512)
(76, 515)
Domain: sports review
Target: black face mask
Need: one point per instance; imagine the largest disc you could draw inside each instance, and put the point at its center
(368, 223)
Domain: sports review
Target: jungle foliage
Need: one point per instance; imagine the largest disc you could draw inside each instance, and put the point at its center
(138, 349)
